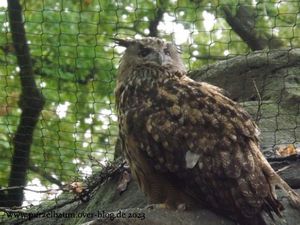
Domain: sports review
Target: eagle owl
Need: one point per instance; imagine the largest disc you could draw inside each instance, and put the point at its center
(187, 144)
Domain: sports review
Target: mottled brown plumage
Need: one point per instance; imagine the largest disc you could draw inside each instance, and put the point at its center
(187, 144)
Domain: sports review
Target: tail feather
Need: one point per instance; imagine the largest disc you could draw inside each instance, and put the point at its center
(273, 205)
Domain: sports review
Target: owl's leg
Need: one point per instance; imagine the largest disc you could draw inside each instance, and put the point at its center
(156, 206)
(160, 191)
(180, 207)
(164, 195)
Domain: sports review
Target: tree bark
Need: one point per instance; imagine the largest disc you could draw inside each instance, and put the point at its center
(153, 25)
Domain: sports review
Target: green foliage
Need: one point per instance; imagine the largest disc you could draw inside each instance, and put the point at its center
(75, 65)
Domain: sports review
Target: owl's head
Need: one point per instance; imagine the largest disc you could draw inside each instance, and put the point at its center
(153, 51)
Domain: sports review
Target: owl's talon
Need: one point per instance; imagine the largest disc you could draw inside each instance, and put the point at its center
(156, 206)
(181, 207)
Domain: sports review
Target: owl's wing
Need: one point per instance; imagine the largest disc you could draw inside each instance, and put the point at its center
(208, 142)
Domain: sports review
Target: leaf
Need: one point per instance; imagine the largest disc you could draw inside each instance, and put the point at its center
(286, 150)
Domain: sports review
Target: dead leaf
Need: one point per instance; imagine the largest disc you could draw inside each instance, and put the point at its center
(285, 151)
(76, 187)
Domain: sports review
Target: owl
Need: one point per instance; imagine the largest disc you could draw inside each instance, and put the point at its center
(188, 145)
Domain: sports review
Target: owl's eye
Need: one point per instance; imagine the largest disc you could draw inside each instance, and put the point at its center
(167, 52)
(145, 51)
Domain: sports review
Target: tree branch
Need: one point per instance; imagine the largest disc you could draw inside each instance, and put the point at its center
(31, 104)
(45, 175)
(157, 18)
(154, 23)
(243, 23)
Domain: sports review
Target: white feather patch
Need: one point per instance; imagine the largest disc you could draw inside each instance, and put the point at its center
(191, 159)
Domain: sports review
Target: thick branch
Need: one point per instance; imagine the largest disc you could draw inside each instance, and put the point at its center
(243, 23)
(268, 68)
(157, 18)
(154, 23)
(31, 104)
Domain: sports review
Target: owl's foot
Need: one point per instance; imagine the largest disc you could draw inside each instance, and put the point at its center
(179, 207)
(157, 206)
(293, 196)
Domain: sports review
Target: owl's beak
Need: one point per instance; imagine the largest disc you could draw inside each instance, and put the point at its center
(155, 57)
(160, 58)
(122, 42)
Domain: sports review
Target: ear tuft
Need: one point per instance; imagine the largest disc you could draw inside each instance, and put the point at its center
(122, 42)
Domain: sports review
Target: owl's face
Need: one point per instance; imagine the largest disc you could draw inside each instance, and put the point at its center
(151, 51)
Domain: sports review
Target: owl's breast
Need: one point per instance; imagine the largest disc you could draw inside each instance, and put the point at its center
(141, 88)
(138, 97)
